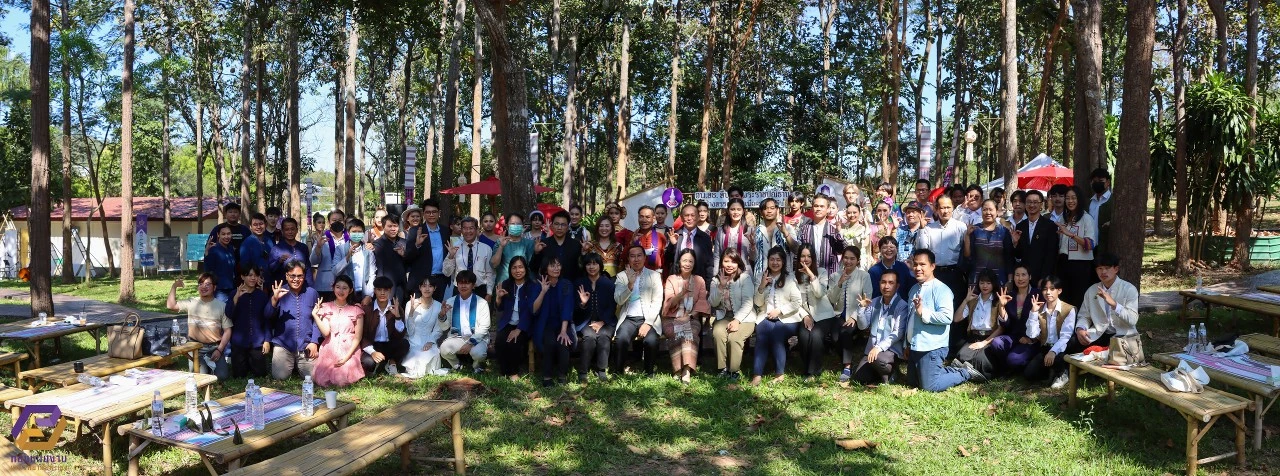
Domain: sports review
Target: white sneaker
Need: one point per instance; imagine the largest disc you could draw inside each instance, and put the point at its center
(1061, 381)
(392, 370)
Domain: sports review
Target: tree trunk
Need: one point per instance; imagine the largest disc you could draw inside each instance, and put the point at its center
(1219, 10)
(68, 267)
(126, 160)
(1038, 129)
(673, 120)
(510, 110)
(918, 89)
(246, 94)
(1090, 133)
(731, 93)
(260, 139)
(295, 143)
(1009, 124)
(889, 116)
(570, 123)
(624, 111)
(449, 157)
(346, 197)
(166, 146)
(38, 223)
(1182, 238)
(1133, 169)
(477, 116)
(708, 102)
(339, 136)
(1244, 209)
(961, 114)
(223, 185)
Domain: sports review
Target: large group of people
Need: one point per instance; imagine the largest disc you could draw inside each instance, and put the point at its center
(958, 287)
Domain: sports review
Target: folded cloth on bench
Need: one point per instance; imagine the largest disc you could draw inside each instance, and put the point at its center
(1241, 366)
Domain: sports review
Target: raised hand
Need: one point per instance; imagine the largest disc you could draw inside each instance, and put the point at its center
(1017, 235)
(502, 292)
(400, 247)
(177, 283)
(919, 304)
(1036, 304)
(444, 310)
(544, 282)
(453, 251)
(538, 245)
(395, 307)
(583, 295)
(1005, 297)
(315, 311)
(973, 295)
(278, 290)
(863, 300)
(422, 236)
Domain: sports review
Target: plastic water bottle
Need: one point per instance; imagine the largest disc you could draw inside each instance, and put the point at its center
(193, 396)
(157, 414)
(249, 389)
(176, 335)
(1199, 282)
(259, 416)
(1193, 341)
(308, 396)
(1204, 339)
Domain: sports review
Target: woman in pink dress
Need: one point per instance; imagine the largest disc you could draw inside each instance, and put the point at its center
(341, 323)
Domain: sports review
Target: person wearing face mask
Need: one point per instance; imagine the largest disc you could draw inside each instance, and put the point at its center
(361, 267)
(1100, 206)
(329, 253)
(511, 246)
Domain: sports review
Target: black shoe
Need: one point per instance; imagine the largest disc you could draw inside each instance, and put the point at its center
(722, 373)
(548, 383)
(734, 376)
(602, 376)
(974, 375)
(582, 379)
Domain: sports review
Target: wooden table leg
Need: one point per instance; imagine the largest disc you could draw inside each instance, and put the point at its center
(17, 374)
(459, 462)
(35, 353)
(404, 457)
(1257, 421)
(209, 465)
(195, 360)
(134, 441)
(1111, 391)
(57, 346)
(1240, 437)
(342, 422)
(1186, 304)
(97, 340)
(1073, 379)
(1193, 445)
(106, 448)
(234, 464)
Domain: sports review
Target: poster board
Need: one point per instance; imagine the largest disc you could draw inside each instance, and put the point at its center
(169, 253)
(195, 246)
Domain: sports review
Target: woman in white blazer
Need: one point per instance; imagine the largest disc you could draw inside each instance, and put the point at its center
(424, 332)
(733, 307)
(638, 292)
(778, 305)
(847, 285)
(815, 307)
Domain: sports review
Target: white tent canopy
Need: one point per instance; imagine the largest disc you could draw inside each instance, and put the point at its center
(1038, 162)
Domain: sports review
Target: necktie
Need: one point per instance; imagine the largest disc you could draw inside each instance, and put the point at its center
(688, 240)
(471, 256)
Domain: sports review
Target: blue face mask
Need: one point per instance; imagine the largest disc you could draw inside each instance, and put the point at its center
(515, 230)
(357, 237)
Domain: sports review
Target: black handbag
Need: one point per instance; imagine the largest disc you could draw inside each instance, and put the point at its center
(158, 341)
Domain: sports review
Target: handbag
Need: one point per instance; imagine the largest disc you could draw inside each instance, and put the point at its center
(1126, 350)
(125, 340)
(159, 341)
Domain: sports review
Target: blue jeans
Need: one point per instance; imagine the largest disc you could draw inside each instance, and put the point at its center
(219, 368)
(771, 340)
(925, 370)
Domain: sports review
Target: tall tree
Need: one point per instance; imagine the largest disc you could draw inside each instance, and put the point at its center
(126, 159)
(246, 94)
(708, 102)
(38, 222)
(1244, 211)
(1090, 134)
(1219, 10)
(1133, 167)
(347, 188)
(477, 114)
(1009, 103)
(510, 109)
(292, 72)
(891, 49)
(1038, 128)
(673, 119)
(1182, 236)
(449, 157)
(570, 145)
(624, 110)
(731, 93)
(64, 28)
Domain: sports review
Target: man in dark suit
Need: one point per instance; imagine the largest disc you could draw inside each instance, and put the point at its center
(383, 341)
(690, 237)
(564, 247)
(1035, 241)
(428, 246)
(389, 256)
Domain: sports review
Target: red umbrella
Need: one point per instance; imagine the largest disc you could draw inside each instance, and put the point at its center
(489, 186)
(937, 192)
(1043, 178)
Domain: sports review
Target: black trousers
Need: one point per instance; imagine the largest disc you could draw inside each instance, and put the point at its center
(595, 347)
(852, 340)
(628, 329)
(512, 356)
(977, 358)
(394, 351)
(876, 372)
(813, 344)
(555, 356)
(1075, 347)
(1036, 370)
(249, 362)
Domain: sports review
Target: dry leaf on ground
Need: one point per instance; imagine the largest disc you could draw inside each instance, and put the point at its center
(849, 444)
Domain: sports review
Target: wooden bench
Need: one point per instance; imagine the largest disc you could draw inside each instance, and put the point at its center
(1269, 288)
(1264, 395)
(1201, 410)
(353, 448)
(1231, 302)
(12, 462)
(1262, 344)
(16, 359)
(103, 365)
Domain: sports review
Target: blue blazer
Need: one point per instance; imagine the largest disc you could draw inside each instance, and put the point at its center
(557, 307)
(528, 293)
(600, 307)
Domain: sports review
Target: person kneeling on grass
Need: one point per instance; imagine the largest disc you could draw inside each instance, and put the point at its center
(929, 329)
(383, 341)
(1052, 320)
(887, 318)
(468, 316)
(207, 323)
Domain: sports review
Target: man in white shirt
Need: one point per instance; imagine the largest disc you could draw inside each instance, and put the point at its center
(468, 318)
(471, 255)
(1110, 308)
(971, 213)
(945, 238)
(1053, 321)
(1057, 202)
(1100, 185)
(383, 342)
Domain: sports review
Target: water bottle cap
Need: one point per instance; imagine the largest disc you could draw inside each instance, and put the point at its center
(306, 378)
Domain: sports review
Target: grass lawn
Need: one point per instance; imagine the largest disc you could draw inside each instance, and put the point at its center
(637, 424)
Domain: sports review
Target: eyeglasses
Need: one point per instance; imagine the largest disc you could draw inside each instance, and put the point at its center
(559, 225)
(431, 212)
(294, 276)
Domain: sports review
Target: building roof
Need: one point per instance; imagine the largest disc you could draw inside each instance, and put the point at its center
(182, 208)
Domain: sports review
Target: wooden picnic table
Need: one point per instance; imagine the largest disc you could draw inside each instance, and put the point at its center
(1262, 344)
(225, 451)
(13, 460)
(86, 407)
(1201, 410)
(32, 336)
(1231, 302)
(1270, 288)
(103, 365)
(1263, 394)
